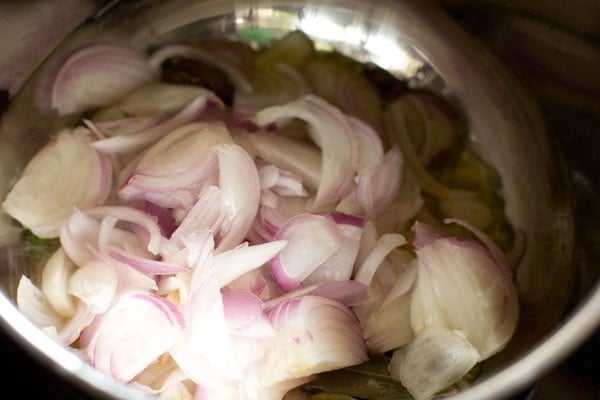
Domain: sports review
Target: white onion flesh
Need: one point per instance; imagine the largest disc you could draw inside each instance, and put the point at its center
(332, 132)
(55, 282)
(67, 173)
(97, 75)
(432, 361)
(487, 312)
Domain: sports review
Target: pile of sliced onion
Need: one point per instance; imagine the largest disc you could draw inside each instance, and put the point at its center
(234, 253)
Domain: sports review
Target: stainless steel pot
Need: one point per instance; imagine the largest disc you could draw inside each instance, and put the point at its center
(414, 40)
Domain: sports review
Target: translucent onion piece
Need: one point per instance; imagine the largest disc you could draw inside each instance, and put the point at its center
(240, 194)
(294, 48)
(287, 154)
(34, 305)
(435, 359)
(434, 131)
(340, 265)
(138, 141)
(331, 131)
(71, 329)
(153, 100)
(232, 264)
(131, 334)
(311, 240)
(485, 309)
(388, 327)
(96, 75)
(278, 84)
(150, 231)
(376, 187)
(125, 126)
(55, 282)
(206, 213)
(282, 182)
(369, 143)
(66, 173)
(404, 208)
(314, 334)
(347, 292)
(145, 265)
(395, 126)
(95, 284)
(472, 210)
(385, 244)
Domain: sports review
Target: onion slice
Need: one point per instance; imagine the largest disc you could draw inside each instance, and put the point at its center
(131, 334)
(311, 240)
(435, 359)
(65, 174)
(240, 190)
(95, 75)
(314, 334)
(331, 131)
(486, 309)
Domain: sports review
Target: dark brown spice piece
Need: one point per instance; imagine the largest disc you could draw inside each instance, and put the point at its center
(188, 71)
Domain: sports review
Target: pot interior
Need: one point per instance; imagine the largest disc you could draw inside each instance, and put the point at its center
(419, 45)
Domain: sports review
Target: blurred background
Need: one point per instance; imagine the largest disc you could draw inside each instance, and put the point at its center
(553, 46)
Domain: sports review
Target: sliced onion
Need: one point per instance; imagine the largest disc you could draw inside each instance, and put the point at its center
(298, 158)
(232, 264)
(205, 353)
(278, 84)
(438, 130)
(345, 88)
(257, 281)
(140, 140)
(388, 327)
(244, 314)
(283, 183)
(311, 240)
(55, 280)
(145, 265)
(240, 190)
(271, 218)
(395, 127)
(369, 144)
(125, 126)
(206, 213)
(385, 244)
(94, 75)
(155, 100)
(347, 292)
(131, 334)
(95, 284)
(66, 173)
(486, 309)
(314, 334)
(150, 229)
(340, 265)
(435, 359)
(72, 328)
(376, 187)
(172, 171)
(34, 305)
(331, 131)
